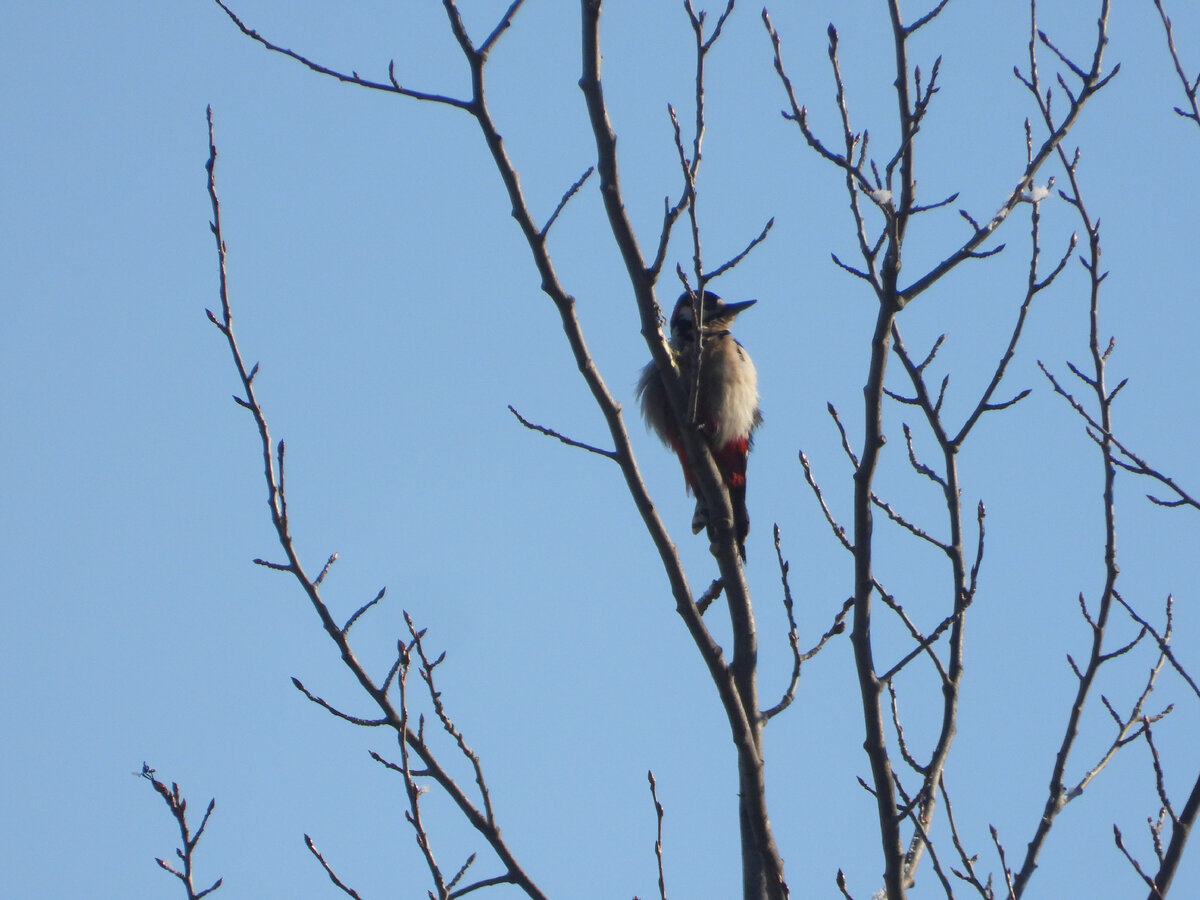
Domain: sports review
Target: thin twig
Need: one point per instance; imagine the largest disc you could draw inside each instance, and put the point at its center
(726, 266)
(1137, 465)
(483, 824)
(1058, 795)
(1163, 640)
(1155, 894)
(658, 813)
(1190, 89)
(392, 86)
(798, 658)
(362, 609)
(312, 848)
(570, 442)
(177, 804)
(353, 720)
(566, 197)
(838, 530)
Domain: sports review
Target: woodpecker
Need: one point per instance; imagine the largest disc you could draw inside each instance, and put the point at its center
(727, 410)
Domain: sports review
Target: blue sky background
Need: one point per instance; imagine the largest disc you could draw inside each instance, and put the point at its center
(378, 278)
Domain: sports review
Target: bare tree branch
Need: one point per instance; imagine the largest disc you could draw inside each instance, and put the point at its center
(570, 442)
(798, 658)
(362, 609)
(273, 469)
(1059, 795)
(353, 720)
(880, 228)
(914, 530)
(730, 263)
(1133, 462)
(1190, 89)
(736, 681)
(736, 684)
(658, 813)
(312, 848)
(922, 834)
(1163, 640)
(1155, 894)
(927, 18)
(1180, 831)
(392, 86)
(501, 27)
(1008, 880)
(968, 862)
(566, 198)
(895, 197)
(839, 531)
(1092, 82)
(177, 804)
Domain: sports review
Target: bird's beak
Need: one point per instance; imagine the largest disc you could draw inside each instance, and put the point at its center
(726, 310)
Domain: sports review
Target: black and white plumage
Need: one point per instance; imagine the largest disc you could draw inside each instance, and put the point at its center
(727, 408)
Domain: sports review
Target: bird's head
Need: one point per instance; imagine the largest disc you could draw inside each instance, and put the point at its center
(717, 316)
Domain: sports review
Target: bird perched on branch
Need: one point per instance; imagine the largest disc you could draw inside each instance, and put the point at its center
(726, 399)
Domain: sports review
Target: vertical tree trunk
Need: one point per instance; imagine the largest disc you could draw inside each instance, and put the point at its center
(754, 870)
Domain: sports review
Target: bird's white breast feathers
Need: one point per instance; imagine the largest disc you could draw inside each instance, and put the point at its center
(730, 391)
(728, 394)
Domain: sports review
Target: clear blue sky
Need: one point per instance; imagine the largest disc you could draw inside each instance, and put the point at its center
(379, 280)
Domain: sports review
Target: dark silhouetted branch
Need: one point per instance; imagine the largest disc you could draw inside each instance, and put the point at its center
(570, 442)
(392, 86)
(177, 804)
(1190, 88)
(312, 848)
(482, 822)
